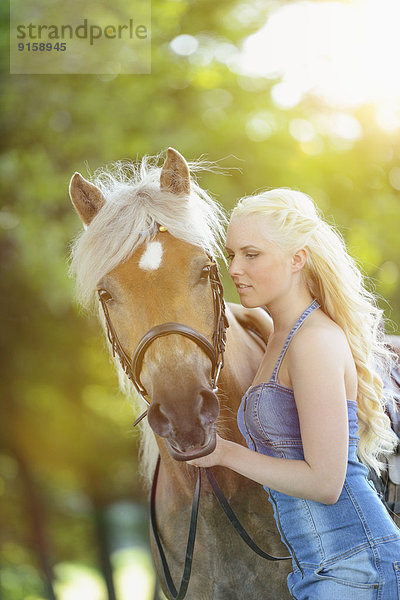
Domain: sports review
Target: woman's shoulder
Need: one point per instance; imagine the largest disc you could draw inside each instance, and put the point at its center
(320, 352)
(320, 338)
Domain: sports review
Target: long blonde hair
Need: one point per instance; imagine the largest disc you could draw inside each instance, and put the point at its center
(334, 279)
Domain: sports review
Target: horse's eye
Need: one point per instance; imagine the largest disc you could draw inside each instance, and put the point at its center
(205, 272)
(104, 295)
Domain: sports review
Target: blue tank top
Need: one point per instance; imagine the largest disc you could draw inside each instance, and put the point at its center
(314, 532)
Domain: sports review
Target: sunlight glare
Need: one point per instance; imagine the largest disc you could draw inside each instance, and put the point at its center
(133, 574)
(78, 582)
(344, 53)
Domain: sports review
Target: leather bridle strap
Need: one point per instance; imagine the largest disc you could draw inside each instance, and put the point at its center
(214, 351)
(167, 329)
(181, 593)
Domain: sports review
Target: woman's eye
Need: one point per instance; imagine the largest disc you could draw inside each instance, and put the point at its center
(251, 255)
(104, 295)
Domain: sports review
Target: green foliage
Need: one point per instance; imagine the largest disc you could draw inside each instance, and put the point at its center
(65, 429)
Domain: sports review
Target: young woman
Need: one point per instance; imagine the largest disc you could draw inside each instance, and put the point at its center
(314, 417)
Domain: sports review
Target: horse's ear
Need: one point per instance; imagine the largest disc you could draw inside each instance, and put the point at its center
(86, 197)
(175, 175)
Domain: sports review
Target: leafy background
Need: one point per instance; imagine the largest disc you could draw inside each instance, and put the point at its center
(70, 493)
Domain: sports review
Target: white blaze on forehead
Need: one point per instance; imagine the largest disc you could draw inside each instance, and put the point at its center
(151, 257)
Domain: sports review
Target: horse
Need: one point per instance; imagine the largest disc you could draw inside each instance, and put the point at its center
(148, 251)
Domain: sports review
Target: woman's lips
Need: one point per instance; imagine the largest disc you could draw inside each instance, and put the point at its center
(241, 287)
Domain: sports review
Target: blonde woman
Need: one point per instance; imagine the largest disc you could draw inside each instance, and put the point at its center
(314, 417)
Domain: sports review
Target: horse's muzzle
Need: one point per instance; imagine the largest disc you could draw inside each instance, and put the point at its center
(186, 424)
(194, 452)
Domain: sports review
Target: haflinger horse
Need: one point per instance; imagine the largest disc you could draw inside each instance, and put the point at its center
(147, 257)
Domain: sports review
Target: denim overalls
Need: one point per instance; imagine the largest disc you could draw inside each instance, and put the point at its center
(349, 550)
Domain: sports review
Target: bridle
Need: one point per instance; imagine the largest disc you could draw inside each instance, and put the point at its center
(132, 367)
(215, 350)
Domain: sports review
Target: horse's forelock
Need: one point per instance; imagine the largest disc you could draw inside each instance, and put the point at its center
(134, 206)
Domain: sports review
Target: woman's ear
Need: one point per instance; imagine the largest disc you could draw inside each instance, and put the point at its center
(299, 260)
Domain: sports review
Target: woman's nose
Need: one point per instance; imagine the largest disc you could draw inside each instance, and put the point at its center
(235, 268)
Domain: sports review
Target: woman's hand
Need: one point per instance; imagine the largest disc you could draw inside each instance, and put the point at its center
(213, 459)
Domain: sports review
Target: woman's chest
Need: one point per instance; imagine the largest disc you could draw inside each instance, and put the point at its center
(270, 413)
(269, 365)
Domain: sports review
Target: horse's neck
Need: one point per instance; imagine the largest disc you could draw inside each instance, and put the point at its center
(242, 359)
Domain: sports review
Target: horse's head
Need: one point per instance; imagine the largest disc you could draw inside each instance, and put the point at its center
(148, 250)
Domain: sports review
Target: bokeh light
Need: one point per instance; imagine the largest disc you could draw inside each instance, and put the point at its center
(345, 53)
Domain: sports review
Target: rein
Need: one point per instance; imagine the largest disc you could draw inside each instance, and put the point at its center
(132, 367)
(230, 514)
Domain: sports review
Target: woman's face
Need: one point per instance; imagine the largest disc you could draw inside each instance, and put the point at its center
(260, 270)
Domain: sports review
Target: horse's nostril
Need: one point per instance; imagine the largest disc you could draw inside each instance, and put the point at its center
(209, 407)
(158, 421)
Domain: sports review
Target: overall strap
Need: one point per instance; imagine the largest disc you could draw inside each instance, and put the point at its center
(313, 306)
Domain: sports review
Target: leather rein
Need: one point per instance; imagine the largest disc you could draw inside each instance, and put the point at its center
(132, 367)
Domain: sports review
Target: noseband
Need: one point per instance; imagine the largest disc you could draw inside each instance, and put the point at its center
(214, 351)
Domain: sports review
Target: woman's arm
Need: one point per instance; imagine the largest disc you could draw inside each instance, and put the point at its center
(316, 366)
(253, 318)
